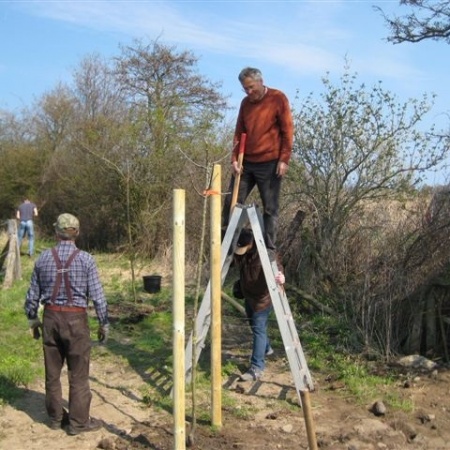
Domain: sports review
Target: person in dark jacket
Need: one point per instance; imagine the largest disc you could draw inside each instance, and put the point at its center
(258, 304)
(64, 279)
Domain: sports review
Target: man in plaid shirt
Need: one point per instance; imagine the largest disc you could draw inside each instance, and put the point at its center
(63, 280)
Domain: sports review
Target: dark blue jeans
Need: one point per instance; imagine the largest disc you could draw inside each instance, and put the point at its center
(264, 176)
(258, 323)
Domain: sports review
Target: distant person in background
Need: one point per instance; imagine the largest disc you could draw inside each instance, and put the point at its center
(64, 279)
(26, 212)
(252, 286)
(265, 117)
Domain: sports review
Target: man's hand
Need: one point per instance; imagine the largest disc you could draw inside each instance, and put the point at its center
(35, 327)
(282, 168)
(236, 169)
(102, 333)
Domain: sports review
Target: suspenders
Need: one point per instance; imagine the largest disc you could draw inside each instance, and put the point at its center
(63, 271)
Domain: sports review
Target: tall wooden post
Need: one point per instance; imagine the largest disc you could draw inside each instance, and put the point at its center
(178, 319)
(216, 287)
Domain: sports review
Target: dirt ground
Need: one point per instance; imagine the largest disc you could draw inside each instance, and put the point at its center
(261, 415)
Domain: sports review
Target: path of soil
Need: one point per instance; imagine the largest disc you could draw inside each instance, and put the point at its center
(272, 420)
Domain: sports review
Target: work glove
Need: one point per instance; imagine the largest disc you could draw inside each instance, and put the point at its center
(35, 328)
(102, 333)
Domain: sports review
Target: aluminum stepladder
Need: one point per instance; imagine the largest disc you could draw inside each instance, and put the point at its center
(297, 361)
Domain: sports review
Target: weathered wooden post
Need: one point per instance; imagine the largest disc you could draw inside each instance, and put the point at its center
(12, 262)
(216, 305)
(178, 319)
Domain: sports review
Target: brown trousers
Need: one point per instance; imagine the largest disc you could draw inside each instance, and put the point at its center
(66, 338)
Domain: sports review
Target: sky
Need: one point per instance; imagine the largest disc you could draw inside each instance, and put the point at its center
(294, 43)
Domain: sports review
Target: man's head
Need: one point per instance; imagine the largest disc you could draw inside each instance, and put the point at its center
(67, 226)
(245, 242)
(252, 83)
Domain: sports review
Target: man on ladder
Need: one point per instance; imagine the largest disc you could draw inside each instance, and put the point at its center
(263, 140)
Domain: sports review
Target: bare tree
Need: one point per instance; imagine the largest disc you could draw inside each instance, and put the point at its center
(171, 107)
(427, 19)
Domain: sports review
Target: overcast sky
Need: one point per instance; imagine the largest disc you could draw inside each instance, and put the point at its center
(294, 43)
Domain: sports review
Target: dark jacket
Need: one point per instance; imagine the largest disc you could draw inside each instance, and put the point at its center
(253, 282)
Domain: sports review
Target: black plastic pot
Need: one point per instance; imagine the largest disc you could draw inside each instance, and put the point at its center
(152, 283)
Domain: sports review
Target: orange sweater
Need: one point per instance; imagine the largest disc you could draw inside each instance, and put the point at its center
(269, 128)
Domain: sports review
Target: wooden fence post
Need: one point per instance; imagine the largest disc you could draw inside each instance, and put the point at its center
(12, 260)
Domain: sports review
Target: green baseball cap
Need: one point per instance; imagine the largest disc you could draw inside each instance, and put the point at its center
(65, 221)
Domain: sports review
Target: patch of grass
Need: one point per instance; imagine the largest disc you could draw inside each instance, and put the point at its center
(320, 338)
(17, 370)
(203, 415)
(361, 384)
(397, 402)
(155, 332)
(153, 398)
(20, 355)
(228, 369)
(116, 283)
(160, 299)
(8, 390)
(238, 410)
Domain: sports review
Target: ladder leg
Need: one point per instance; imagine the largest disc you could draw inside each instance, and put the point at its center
(294, 352)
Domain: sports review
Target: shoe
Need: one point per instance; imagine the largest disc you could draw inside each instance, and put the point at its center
(58, 424)
(93, 425)
(252, 374)
(269, 351)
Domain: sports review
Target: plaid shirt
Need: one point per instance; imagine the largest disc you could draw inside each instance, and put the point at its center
(83, 276)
